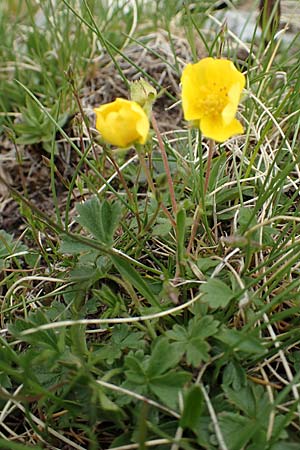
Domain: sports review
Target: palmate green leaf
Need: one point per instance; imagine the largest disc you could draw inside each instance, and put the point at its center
(216, 293)
(238, 340)
(36, 126)
(203, 432)
(110, 216)
(87, 272)
(234, 375)
(236, 429)
(151, 373)
(193, 406)
(178, 333)
(206, 265)
(191, 340)
(196, 352)
(122, 338)
(204, 327)
(46, 339)
(90, 218)
(167, 387)
(135, 368)
(74, 247)
(100, 218)
(252, 400)
(163, 357)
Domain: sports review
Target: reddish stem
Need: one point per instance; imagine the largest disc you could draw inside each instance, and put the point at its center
(166, 165)
(211, 148)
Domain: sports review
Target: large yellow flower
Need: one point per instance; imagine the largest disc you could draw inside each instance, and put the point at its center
(211, 91)
(122, 123)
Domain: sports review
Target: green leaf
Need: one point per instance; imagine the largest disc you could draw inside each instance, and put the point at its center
(110, 216)
(216, 293)
(8, 245)
(166, 387)
(205, 264)
(90, 217)
(246, 219)
(9, 445)
(204, 327)
(251, 400)
(234, 375)
(237, 430)
(134, 368)
(101, 219)
(46, 339)
(217, 174)
(87, 272)
(283, 445)
(163, 357)
(123, 337)
(191, 340)
(193, 406)
(133, 277)
(240, 341)
(196, 352)
(5, 381)
(73, 247)
(203, 433)
(178, 333)
(107, 405)
(162, 228)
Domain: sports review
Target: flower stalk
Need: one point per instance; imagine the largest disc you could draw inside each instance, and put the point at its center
(166, 165)
(211, 149)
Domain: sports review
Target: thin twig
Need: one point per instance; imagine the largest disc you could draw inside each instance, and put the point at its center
(116, 320)
(214, 419)
(152, 443)
(144, 399)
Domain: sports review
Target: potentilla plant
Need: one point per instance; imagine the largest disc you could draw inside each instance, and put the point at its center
(211, 92)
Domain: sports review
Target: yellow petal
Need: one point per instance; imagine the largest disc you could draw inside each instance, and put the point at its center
(210, 87)
(122, 123)
(230, 109)
(193, 81)
(214, 128)
(142, 124)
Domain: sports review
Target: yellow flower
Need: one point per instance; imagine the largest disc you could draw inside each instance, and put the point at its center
(122, 123)
(211, 91)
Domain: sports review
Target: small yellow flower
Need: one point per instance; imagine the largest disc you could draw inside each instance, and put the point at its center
(122, 123)
(211, 91)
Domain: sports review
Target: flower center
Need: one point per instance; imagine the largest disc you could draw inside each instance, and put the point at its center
(213, 100)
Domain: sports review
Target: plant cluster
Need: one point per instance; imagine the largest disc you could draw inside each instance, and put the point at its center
(149, 279)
